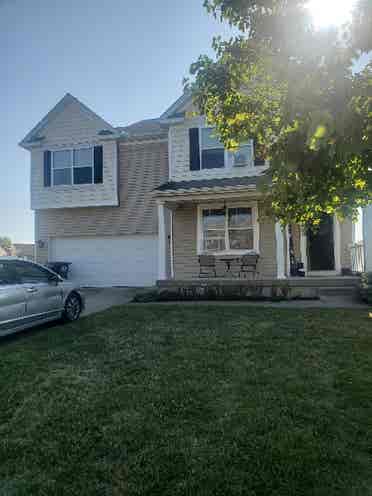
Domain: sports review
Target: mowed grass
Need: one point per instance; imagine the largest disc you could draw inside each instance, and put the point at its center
(189, 400)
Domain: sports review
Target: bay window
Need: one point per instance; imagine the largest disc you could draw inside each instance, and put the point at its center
(231, 228)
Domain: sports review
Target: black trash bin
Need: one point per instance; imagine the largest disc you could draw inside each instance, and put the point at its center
(62, 268)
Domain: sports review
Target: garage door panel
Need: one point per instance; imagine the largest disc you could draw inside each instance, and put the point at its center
(109, 261)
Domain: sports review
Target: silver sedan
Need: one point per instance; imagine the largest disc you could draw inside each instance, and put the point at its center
(31, 294)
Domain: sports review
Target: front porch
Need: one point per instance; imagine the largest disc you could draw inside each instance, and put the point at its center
(232, 224)
(245, 289)
(226, 218)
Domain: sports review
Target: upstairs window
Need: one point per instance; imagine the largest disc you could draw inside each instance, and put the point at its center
(72, 166)
(83, 166)
(214, 156)
(243, 156)
(212, 150)
(61, 167)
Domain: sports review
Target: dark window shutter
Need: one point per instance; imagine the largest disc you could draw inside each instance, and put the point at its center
(259, 161)
(194, 148)
(98, 164)
(47, 168)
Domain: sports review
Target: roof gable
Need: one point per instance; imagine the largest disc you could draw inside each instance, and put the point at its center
(37, 134)
(179, 107)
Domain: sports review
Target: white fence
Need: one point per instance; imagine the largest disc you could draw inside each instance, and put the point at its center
(357, 257)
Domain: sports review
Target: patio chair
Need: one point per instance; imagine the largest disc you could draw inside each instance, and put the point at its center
(207, 266)
(248, 265)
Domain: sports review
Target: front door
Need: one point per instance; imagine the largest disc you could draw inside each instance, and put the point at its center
(321, 246)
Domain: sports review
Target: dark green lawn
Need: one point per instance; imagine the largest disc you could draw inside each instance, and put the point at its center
(189, 400)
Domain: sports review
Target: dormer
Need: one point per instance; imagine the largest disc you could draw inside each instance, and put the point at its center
(73, 158)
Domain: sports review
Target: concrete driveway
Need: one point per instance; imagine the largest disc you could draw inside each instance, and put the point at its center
(98, 299)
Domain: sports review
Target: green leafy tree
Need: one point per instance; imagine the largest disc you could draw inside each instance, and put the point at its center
(292, 89)
(6, 244)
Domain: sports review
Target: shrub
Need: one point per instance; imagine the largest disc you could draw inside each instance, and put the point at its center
(366, 287)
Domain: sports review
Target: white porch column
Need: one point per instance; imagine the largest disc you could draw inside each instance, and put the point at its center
(280, 258)
(303, 248)
(287, 253)
(162, 243)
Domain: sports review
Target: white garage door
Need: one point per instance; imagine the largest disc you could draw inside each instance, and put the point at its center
(108, 261)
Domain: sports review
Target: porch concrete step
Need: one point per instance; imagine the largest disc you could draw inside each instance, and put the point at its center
(326, 282)
(351, 291)
(293, 282)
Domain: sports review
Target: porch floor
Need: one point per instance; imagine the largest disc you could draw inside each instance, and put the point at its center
(235, 288)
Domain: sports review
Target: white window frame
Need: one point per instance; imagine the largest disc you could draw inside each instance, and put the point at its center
(228, 250)
(228, 164)
(72, 165)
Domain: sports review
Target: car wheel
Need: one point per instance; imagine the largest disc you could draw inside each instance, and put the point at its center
(73, 308)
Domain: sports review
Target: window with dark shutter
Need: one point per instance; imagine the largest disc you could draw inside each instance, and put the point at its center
(213, 152)
(47, 168)
(194, 149)
(98, 164)
(258, 160)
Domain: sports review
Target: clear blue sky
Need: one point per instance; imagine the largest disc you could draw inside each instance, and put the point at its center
(125, 59)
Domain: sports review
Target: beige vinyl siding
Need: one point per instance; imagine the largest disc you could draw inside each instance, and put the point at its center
(185, 244)
(143, 167)
(180, 157)
(75, 195)
(346, 228)
(74, 124)
(185, 258)
(296, 237)
(267, 264)
(74, 127)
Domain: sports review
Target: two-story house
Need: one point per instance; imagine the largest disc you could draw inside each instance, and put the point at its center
(130, 205)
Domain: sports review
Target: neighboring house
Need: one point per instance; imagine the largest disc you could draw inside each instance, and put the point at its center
(130, 205)
(3, 253)
(24, 250)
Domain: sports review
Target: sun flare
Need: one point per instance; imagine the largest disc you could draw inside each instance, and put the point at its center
(330, 12)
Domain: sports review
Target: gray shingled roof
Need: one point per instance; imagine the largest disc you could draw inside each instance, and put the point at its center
(143, 128)
(211, 183)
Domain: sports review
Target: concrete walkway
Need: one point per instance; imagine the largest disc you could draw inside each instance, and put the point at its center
(98, 299)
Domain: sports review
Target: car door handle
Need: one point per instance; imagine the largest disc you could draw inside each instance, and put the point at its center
(31, 290)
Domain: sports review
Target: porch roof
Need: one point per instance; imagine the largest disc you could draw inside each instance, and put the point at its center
(201, 185)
